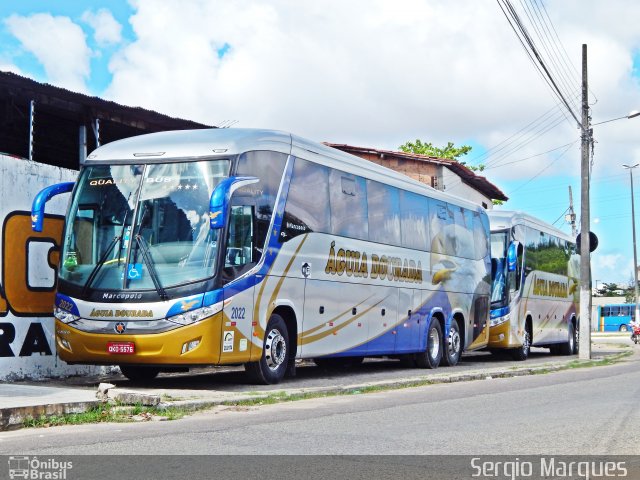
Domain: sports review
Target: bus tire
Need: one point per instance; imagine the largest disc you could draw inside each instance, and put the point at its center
(139, 374)
(273, 363)
(568, 347)
(522, 352)
(432, 354)
(452, 345)
(624, 328)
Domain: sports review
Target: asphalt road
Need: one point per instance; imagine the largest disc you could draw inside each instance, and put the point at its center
(575, 412)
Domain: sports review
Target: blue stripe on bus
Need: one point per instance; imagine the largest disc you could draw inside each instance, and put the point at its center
(186, 304)
(499, 312)
(67, 303)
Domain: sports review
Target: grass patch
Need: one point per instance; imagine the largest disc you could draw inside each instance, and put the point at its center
(106, 413)
(608, 360)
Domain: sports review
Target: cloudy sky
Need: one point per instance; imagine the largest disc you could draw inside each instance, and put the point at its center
(372, 73)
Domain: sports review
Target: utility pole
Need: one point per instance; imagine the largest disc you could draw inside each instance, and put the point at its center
(572, 215)
(635, 255)
(585, 254)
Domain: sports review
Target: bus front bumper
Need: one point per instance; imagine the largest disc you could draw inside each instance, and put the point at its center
(195, 344)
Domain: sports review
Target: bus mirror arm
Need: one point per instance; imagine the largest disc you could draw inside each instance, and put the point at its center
(219, 202)
(40, 200)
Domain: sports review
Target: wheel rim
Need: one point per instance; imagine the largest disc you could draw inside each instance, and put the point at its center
(275, 349)
(623, 328)
(454, 342)
(434, 344)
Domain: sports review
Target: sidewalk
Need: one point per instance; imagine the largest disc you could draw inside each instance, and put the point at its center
(219, 385)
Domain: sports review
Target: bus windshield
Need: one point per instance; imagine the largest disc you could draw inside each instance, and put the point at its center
(499, 290)
(169, 241)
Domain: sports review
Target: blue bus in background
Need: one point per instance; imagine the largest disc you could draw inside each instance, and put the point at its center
(615, 318)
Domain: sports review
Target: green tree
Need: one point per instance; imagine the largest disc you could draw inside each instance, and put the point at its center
(611, 290)
(450, 151)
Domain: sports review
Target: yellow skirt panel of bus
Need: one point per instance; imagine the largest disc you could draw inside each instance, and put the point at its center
(196, 344)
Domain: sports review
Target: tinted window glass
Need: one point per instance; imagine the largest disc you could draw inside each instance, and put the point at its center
(268, 167)
(384, 213)
(463, 221)
(414, 220)
(480, 234)
(443, 238)
(307, 208)
(348, 199)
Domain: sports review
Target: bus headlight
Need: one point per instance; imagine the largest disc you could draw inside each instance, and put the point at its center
(64, 316)
(193, 316)
(499, 320)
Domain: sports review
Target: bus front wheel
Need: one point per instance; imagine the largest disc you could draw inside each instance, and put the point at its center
(432, 354)
(275, 354)
(522, 353)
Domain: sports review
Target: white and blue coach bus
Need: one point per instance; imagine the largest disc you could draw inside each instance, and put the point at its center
(256, 247)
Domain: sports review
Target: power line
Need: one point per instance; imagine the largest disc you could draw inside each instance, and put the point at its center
(532, 51)
(542, 171)
(530, 157)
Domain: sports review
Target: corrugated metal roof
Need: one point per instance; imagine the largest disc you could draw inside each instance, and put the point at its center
(75, 103)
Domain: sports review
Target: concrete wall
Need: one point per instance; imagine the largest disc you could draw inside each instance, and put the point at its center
(28, 270)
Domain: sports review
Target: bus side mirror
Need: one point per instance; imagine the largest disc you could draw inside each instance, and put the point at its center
(40, 200)
(512, 257)
(219, 202)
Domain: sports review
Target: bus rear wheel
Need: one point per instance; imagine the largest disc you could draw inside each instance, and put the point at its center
(432, 354)
(452, 345)
(138, 373)
(272, 365)
(569, 347)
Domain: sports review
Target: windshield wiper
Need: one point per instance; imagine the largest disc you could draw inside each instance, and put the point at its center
(100, 263)
(148, 261)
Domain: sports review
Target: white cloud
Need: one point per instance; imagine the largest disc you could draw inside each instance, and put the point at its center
(375, 73)
(58, 44)
(9, 67)
(107, 30)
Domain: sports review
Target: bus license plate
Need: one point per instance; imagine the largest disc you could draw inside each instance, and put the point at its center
(122, 348)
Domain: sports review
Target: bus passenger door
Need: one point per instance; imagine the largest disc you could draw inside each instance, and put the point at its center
(239, 257)
(409, 322)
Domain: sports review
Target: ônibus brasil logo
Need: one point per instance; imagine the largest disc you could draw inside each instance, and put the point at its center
(34, 468)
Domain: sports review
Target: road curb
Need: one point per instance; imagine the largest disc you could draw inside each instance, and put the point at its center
(13, 418)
